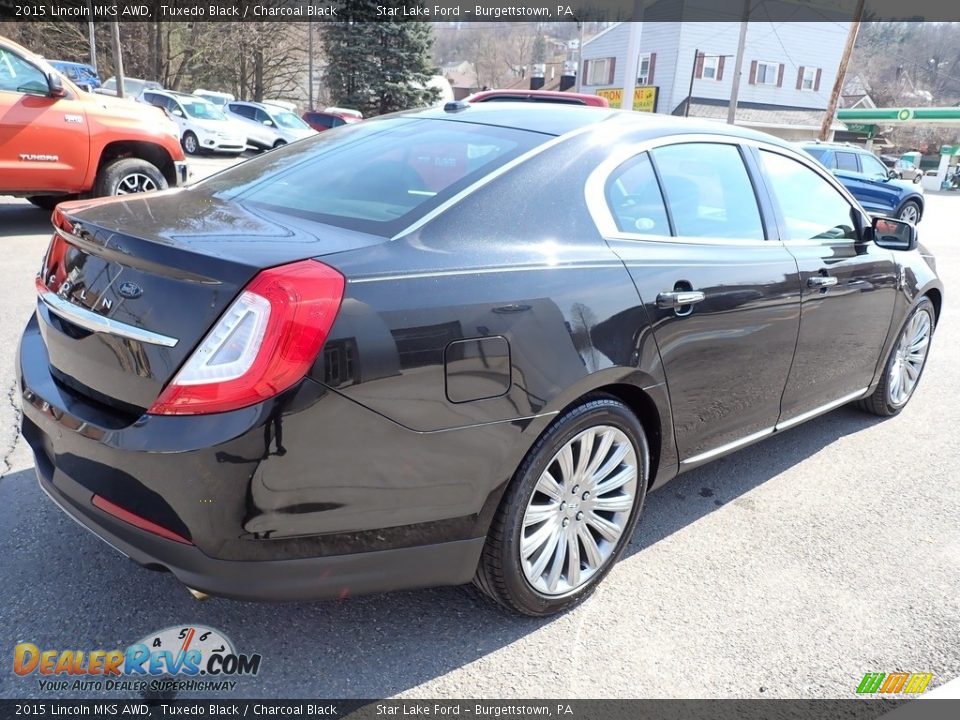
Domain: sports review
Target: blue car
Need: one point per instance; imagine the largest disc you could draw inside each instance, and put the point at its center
(869, 180)
(80, 74)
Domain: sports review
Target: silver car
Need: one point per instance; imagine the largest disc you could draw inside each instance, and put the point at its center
(268, 126)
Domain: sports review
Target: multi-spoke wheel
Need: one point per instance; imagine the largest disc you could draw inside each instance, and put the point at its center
(569, 510)
(905, 364)
(129, 175)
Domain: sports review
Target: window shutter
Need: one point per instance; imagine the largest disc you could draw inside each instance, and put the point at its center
(753, 72)
(816, 80)
(720, 68)
(612, 69)
(650, 67)
(585, 78)
(780, 75)
(800, 78)
(699, 69)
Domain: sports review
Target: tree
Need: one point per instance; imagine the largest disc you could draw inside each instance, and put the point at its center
(375, 65)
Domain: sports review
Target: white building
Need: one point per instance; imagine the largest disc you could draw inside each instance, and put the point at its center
(789, 69)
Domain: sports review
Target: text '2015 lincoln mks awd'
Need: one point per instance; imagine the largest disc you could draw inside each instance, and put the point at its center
(453, 344)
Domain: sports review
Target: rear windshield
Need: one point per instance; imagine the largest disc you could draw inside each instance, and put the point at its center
(376, 177)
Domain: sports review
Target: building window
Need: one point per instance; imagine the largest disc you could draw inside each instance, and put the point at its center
(599, 71)
(643, 72)
(768, 73)
(808, 78)
(711, 67)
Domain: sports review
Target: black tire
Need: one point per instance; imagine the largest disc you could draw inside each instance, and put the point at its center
(48, 202)
(917, 178)
(190, 143)
(879, 402)
(910, 204)
(279, 144)
(114, 173)
(500, 574)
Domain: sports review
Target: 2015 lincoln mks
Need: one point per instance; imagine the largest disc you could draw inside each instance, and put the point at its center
(452, 344)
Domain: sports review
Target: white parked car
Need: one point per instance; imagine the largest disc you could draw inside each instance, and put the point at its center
(203, 126)
(268, 126)
(220, 99)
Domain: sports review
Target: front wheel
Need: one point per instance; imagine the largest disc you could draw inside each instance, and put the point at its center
(910, 211)
(191, 146)
(569, 512)
(279, 144)
(905, 363)
(129, 175)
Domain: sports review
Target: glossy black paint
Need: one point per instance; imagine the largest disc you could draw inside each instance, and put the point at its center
(456, 345)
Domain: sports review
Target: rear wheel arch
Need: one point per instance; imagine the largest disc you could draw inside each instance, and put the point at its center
(152, 153)
(936, 298)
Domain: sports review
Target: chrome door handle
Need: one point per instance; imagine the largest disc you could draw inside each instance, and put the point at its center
(821, 281)
(675, 300)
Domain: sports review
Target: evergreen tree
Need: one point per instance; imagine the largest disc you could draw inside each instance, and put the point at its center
(377, 65)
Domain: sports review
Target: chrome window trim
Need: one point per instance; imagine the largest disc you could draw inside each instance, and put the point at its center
(595, 186)
(89, 320)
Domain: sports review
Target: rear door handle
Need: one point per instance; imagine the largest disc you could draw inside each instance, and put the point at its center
(821, 281)
(677, 299)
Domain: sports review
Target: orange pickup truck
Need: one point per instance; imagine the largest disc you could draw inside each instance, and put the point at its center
(58, 142)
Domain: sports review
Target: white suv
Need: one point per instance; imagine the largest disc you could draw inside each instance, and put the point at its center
(203, 126)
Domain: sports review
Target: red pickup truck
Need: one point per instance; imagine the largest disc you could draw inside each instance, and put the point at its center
(58, 142)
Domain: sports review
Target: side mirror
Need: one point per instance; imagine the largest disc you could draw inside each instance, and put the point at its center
(894, 234)
(55, 86)
(177, 112)
(268, 123)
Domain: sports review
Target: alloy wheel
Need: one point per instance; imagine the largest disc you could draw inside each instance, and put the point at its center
(910, 213)
(578, 510)
(908, 361)
(135, 183)
(190, 144)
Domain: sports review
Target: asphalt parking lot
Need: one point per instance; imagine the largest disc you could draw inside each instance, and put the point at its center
(789, 569)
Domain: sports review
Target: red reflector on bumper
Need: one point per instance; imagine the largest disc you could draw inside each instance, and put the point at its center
(137, 521)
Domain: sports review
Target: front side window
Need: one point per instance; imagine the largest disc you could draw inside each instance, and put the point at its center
(812, 208)
(708, 191)
(634, 198)
(873, 167)
(17, 75)
(375, 177)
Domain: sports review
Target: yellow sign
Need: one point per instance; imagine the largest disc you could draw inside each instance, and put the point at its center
(644, 97)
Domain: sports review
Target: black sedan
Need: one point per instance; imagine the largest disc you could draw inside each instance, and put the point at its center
(450, 345)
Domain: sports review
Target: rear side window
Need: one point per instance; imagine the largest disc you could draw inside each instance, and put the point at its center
(242, 110)
(708, 191)
(375, 177)
(634, 198)
(847, 161)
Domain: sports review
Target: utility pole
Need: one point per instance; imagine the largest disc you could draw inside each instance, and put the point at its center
(693, 73)
(117, 56)
(841, 72)
(738, 65)
(310, 64)
(633, 56)
(92, 35)
(579, 55)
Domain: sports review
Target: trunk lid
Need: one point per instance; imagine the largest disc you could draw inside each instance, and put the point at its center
(129, 287)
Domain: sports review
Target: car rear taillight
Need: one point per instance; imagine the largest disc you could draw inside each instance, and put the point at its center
(263, 344)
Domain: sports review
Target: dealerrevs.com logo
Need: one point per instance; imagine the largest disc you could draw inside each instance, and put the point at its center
(191, 657)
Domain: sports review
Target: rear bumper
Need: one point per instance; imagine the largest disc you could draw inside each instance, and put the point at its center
(337, 576)
(301, 497)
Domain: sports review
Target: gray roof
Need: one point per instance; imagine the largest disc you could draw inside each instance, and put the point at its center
(771, 115)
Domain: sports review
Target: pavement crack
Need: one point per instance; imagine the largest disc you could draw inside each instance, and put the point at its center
(7, 448)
